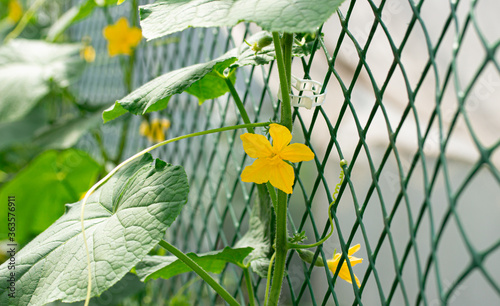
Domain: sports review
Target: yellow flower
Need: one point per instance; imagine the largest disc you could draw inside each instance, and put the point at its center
(15, 11)
(155, 132)
(122, 38)
(270, 164)
(88, 53)
(344, 270)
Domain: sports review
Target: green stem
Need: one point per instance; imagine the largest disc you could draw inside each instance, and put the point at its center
(283, 59)
(272, 194)
(123, 140)
(268, 282)
(239, 104)
(287, 56)
(124, 163)
(281, 249)
(248, 280)
(200, 271)
(286, 106)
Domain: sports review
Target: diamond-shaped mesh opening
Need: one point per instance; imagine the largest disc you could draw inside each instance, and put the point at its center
(411, 105)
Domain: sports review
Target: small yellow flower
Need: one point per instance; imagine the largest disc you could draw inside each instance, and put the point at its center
(155, 132)
(88, 54)
(344, 270)
(270, 164)
(122, 38)
(15, 11)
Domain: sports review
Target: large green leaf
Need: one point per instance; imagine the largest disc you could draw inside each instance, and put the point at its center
(153, 267)
(292, 16)
(65, 174)
(124, 220)
(28, 69)
(143, 99)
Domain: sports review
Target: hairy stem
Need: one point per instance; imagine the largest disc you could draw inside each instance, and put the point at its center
(248, 281)
(286, 106)
(284, 69)
(281, 249)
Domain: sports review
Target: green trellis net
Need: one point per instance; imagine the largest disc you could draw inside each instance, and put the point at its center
(410, 105)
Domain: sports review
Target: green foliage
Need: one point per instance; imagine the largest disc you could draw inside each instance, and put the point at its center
(211, 85)
(65, 174)
(167, 17)
(143, 99)
(124, 220)
(29, 69)
(153, 267)
(66, 132)
(126, 287)
(205, 81)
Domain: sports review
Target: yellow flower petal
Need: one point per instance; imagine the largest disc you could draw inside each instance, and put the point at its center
(281, 137)
(281, 175)
(15, 11)
(258, 172)
(256, 146)
(122, 38)
(344, 270)
(122, 25)
(296, 152)
(345, 275)
(134, 37)
(354, 249)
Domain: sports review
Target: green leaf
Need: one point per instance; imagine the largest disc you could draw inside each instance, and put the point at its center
(143, 99)
(153, 267)
(74, 14)
(124, 220)
(28, 69)
(212, 85)
(170, 16)
(44, 186)
(204, 81)
(259, 235)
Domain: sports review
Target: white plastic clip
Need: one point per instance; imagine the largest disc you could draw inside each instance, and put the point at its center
(305, 86)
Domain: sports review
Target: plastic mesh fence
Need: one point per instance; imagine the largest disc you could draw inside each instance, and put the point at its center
(411, 88)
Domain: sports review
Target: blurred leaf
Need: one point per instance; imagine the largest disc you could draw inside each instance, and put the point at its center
(28, 69)
(44, 186)
(124, 219)
(22, 130)
(170, 16)
(74, 14)
(153, 267)
(67, 132)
